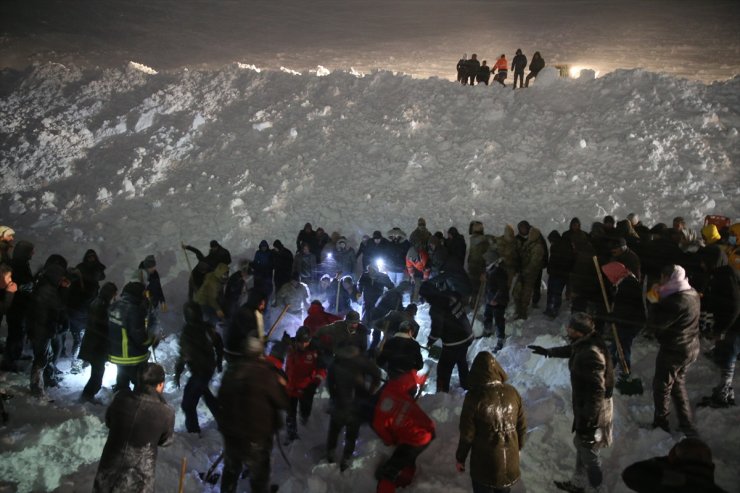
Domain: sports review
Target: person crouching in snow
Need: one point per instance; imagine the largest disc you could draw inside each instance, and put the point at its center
(492, 428)
(399, 421)
(304, 377)
(138, 423)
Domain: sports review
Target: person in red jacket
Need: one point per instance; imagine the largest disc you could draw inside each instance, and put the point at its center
(304, 377)
(318, 318)
(399, 421)
(418, 268)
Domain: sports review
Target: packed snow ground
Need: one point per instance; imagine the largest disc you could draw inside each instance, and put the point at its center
(132, 162)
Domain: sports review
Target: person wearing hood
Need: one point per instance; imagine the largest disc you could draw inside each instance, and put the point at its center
(462, 69)
(138, 423)
(537, 64)
(132, 330)
(283, 262)
(351, 380)
(48, 314)
(492, 427)
(721, 298)
(496, 298)
(304, 263)
(237, 286)
(688, 468)
(395, 264)
(263, 267)
(371, 286)
(420, 236)
(82, 291)
(399, 421)
(306, 236)
(15, 317)
(375, 250)
(449, 323)
(7, 239)
(531, 254)
(559, 266)
(247, 319)
(210, 295)
(592, 382)
(479, 245)
(318, 318)
(627, 314)
(251, 399)
(456, 247)
(201, 349)
(94, 347)
(674, 318)
(518, 64)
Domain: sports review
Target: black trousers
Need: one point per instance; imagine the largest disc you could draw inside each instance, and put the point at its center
(403, 457)
(352, 431)
(95, 383)
(452, 356)
(255, 456)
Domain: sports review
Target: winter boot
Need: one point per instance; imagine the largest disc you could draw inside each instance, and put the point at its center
(662, 423)
(76, 367)
(722, 396)
(499, 345)
(386, 486)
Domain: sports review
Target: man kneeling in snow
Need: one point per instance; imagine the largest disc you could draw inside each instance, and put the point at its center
(138, 423)
(399, 421)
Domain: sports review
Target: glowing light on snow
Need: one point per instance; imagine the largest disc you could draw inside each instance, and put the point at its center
(142, 68)
(575, 71)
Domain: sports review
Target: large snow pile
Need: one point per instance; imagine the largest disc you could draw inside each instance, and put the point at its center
(131, 162)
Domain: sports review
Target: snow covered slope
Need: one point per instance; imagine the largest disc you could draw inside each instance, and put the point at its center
(132, 162)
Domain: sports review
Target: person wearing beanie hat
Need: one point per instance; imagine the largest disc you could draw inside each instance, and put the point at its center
(283, 261)
(675, 320)
(420, 236)
(496, 298)
(621, 253)
(304, 377)
(149, 276)
(373, 250)
(347, 332)
(531, 252)
(592, 382)
(400, 352)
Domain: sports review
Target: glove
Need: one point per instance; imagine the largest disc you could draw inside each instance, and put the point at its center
(540, 350)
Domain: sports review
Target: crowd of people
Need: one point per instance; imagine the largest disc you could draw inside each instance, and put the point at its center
(356, 335)
(471, 70)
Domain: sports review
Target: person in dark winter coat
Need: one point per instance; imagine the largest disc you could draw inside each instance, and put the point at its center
(149, 276)
(138, 423)
(82, 291)
(456, 247)
(722, 300)
(627, 314)
(450, 325)
(304, 263)
(8, 288)
(347, 332)
(688, 468)
(246, 320)
(437, 256)
(592, 382)
(210, 295)
(674, 317)
(622, 254)
(206, 263)
(398, 420)
(94, 347)
(496, 298)
(235, 292)
(420, 236)
(263, 267)
(484, 73)
(308, 236)
(537, 64)
(395, 264)
(531, 258)
(389, 324)
(15, 317)
(518, 64)
(132, 330)
(371, 286)
(345, 290)
(401, 353)
(201, 349)
(251, 397)
(375, 249)
(492, 427)
(304, 373)
(559, 266)
(472, 67)
(347, 382)
(341, 259)
(584, 285)
(283, 261)
(47, 316)
(461, 72)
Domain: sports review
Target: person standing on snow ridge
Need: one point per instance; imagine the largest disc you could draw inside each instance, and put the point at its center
(592, 382)
(502, 66)
(674, 316)
(461, 65)
(537, 64)
(492, 428)
(472, 67)
(138, 423)
(518, 64)
(398, 420)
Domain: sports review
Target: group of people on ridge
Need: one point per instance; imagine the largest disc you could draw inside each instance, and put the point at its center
(471, 71)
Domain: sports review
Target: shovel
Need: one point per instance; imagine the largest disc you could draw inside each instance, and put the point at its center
(626, 385)
(212, 477)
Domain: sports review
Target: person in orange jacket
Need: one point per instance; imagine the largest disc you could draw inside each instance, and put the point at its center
(399, 421)
(503, 69)
(418, 268)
